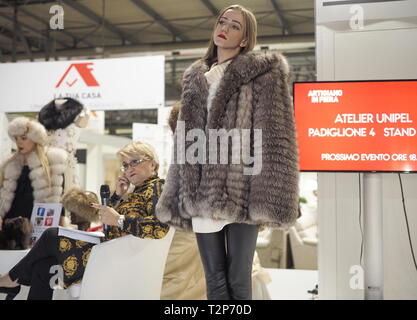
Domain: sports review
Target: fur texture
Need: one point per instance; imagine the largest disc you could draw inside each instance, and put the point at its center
(34, 130)
(60, 116)
(41, 192)
(15, 234)
(173, 116)
(78, 201)
(253, 94)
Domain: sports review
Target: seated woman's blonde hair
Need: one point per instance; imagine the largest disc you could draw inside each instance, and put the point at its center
(139, 150)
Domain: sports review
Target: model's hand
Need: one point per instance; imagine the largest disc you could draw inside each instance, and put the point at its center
(107, 214)
(122, 185)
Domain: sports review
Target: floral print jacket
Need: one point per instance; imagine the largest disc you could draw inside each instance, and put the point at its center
(139, 210)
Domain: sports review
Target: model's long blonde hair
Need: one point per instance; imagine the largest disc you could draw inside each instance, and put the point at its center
(250, 31)
(40, 150)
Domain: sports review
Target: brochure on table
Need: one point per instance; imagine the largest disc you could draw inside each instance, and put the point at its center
(44, 216)
(92, 237)
(47, 215)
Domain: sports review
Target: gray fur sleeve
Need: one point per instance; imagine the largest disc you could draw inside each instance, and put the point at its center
(168, 206)
(274, 191)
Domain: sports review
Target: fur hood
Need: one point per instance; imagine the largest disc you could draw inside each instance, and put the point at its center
(34, 130)
(59, 113)
(252, 94)
(12, 169)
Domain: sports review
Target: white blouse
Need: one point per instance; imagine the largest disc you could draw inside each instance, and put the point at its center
(213, 77)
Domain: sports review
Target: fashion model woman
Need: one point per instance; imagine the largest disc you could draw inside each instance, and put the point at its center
(232, 88)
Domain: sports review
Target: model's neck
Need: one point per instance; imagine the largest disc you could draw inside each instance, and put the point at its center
(25, 158)
(226, 54)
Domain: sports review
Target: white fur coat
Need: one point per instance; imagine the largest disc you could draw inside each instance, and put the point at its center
(41, 192)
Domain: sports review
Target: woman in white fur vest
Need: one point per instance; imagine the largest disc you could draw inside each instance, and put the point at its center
(34, 173)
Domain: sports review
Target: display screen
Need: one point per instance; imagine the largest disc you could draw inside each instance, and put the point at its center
(357, 125)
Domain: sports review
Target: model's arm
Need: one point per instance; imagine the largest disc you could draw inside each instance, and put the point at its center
(274, 186)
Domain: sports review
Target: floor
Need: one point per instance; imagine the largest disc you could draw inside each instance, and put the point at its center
(291, 284)
(286, 284)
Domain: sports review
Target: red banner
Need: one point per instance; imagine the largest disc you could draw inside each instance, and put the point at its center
(357, 126)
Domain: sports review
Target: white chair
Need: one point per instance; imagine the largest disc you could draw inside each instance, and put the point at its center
(8, 259)
(304, 241)
(125, 268)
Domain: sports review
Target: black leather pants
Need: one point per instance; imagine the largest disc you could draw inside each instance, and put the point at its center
(33, 269)
(227, 258)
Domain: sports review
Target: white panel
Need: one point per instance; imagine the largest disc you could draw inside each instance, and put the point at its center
(327, 225)
(400, 274)
(329, 14)
(381, 54)
(385, 48)
(348, 233)
(376, 55)
(325, 53)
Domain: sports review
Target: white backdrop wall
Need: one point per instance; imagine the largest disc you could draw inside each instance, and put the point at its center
(159, 136)
(381, 46)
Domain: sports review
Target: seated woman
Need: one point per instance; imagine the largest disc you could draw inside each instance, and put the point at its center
(34, 173)
(135, 215)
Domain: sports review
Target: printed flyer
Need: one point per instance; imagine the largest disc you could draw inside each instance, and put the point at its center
(44, 216)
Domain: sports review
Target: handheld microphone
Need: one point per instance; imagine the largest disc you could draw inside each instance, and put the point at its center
(105, 196)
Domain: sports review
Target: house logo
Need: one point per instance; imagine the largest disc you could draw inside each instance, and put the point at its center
(77, 72)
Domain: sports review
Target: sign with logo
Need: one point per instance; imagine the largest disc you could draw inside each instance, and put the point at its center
(357, 125)
(102, 84)
(44, 216)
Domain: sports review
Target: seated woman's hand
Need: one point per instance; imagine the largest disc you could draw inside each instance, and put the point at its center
(122, 185)
(107, 214)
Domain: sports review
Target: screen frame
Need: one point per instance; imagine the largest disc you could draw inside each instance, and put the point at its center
(348, 81)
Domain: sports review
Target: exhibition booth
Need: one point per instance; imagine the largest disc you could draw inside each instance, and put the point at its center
(355, 42)
(357, 142)
(102, 86)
